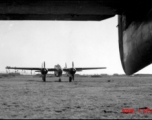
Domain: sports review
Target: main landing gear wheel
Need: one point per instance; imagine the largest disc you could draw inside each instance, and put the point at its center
(70, 79)
(44, 78)
(59, 80)
(73, 77)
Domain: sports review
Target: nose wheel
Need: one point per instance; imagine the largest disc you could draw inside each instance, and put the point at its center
(59, 79)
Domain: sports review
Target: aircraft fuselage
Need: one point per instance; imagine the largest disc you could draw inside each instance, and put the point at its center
(58, 72)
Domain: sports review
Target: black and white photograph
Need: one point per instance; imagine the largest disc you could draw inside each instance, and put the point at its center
(75, 59)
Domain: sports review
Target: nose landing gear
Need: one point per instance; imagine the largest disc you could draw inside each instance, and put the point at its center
(59, 79)
(44, 78)
(70, 79)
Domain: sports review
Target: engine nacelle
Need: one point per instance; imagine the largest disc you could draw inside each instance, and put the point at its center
(72, 71)
(44, 71)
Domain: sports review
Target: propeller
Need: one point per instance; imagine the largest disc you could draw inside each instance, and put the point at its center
(44, 70)
(43, 64)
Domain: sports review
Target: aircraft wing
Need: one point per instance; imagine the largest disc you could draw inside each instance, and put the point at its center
(64, 9)
(23, 68)
(66, 69)
(49, 70)
(26, 68)
(52, 69)
(80, 69)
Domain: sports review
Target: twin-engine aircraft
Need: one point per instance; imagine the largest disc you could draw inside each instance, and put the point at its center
(57, 70)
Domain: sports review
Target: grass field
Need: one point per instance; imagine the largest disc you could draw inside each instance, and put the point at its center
(87, 97)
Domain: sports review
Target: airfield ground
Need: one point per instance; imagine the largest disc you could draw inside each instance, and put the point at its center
(86, 97)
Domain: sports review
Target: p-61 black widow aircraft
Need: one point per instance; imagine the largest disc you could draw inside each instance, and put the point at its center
(71, 71)
(57, 70)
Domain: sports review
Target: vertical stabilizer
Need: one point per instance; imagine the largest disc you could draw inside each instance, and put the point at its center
(43, 64)
(72, 64)
(65, 65)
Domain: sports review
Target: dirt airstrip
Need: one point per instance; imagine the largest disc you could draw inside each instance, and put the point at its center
(86, 97)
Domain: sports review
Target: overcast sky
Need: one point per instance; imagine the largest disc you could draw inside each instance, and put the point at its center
(86, 43)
